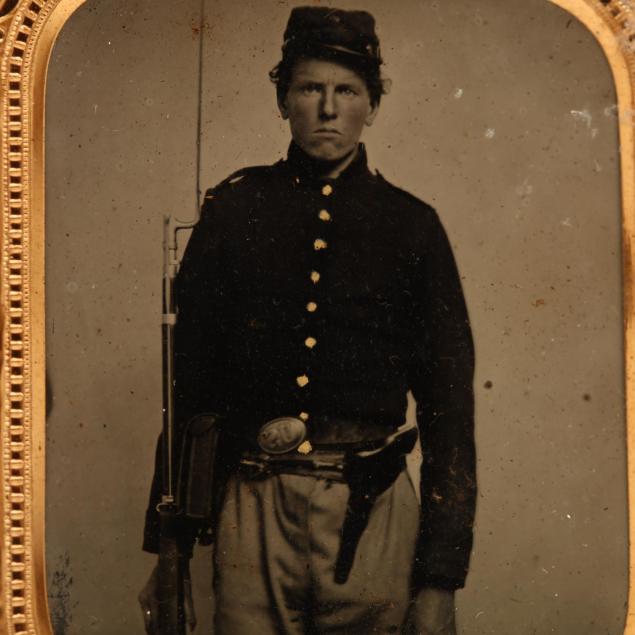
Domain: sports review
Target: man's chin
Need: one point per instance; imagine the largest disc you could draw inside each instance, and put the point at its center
(327, 153)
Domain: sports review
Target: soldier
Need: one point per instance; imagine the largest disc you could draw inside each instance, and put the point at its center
(312, 296)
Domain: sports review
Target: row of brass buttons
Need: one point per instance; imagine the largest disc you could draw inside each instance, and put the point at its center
(318, 244)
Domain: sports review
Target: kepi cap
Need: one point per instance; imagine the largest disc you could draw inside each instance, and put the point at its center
(332, 31)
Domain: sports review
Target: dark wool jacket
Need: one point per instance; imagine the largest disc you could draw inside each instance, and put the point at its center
(333, 298)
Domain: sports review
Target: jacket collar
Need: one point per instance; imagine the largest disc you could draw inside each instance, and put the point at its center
(302, 166)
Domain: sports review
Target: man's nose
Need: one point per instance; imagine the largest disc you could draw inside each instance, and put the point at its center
(328, 107)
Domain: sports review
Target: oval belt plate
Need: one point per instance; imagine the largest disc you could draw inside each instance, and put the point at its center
(281, 435)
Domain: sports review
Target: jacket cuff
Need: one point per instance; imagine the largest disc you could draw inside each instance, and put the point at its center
(441, 566)
(187, 532)
(151, 532)
(425, 581)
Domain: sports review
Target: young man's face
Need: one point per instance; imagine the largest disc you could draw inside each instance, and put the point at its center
(327, 105)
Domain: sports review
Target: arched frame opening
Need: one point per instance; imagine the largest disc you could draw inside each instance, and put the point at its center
(29, 31)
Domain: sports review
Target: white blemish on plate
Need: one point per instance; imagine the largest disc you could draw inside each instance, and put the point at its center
(610, 110)
(525, 189)
(583, 116)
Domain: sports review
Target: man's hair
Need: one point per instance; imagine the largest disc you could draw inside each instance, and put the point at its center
(282, 74)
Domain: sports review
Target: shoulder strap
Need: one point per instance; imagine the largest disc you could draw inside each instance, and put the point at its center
(239, 175)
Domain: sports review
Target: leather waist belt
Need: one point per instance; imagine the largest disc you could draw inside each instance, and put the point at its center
(350, 434)
(286, 434)
(368, 474)
(320, 463)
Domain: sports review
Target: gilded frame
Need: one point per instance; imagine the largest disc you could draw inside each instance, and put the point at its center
(28, 29)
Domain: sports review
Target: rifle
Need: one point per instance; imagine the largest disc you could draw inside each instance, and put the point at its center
(172, 564)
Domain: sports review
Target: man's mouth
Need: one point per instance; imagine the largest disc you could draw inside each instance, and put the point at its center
(327, 132)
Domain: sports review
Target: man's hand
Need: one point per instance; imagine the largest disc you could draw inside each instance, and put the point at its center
(432, 613)
(148, 600)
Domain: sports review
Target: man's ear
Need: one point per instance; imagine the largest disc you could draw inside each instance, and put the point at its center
(282, 106)
(372, 113)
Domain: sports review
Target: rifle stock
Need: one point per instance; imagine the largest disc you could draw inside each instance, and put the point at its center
(172, 563)
(171, 618)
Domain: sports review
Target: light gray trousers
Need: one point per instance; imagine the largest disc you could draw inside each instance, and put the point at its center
(277, 543)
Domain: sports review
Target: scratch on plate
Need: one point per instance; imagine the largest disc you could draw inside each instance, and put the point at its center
(60, 595)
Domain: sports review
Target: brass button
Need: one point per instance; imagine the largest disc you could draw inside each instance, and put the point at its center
(305, 447)
(304, 416)
(327, 190)
(315, 277)
(324, 215)
(311, 307)
(310, 342)
(302, 380)
(318, 244)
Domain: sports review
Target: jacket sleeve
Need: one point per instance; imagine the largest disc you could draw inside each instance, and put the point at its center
(441, 380)
(197, 289)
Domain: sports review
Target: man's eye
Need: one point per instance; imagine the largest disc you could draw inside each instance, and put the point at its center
(310, 88)
(347, 90)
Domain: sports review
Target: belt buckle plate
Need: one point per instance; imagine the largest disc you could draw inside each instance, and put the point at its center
(281, 435)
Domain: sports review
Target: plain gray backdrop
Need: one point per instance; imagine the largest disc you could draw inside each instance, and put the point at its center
(502, 115)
